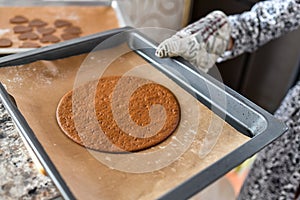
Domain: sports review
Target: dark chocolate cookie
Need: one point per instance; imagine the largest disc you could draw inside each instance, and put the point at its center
(49, 39)
(4, 42)
(69, 36)
(46, 30)
(73, 30)
(30, 45)
(18, 19)
(62, 23)
(28, 36)
(22, 29)
(37, 23)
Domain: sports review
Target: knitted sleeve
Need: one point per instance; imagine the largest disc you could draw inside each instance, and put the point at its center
(266, 20)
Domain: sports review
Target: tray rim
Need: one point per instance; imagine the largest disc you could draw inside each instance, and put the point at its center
(184, 190)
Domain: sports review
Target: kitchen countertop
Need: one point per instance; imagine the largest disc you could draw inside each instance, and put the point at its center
(19, 179)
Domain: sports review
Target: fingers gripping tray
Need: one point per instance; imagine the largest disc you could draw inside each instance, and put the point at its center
(218, 128)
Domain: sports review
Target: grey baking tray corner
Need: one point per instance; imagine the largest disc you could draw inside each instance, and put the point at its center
(245, 116)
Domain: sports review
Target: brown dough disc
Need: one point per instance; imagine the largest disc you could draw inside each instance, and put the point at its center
(19, 19)
(62, 23)
(46, 31)
(49, 39)
(37, 23)
(69, 36)
(22, 29)
(93, 111)
(28, 36)
(30, 45)
(73, 30)
(4, 42)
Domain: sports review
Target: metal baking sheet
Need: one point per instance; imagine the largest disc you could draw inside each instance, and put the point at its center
(247, 129)
(81, 15)
(55, 2)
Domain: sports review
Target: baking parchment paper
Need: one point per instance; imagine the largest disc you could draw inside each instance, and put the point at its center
(39, 86)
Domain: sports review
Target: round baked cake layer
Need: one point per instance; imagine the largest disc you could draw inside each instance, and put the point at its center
(118, 114)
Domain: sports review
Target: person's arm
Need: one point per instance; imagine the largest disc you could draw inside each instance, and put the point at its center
(266, 20)
(201, 43)
(233, 35)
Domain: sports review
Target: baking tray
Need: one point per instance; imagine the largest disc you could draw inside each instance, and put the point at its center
(79, 13)
(246, 117)
(55, 2)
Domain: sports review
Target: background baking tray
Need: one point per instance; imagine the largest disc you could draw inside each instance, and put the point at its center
(54, 2)
(81, 14)
(182, 178)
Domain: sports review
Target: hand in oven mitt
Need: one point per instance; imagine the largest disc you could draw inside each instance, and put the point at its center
(200, 43)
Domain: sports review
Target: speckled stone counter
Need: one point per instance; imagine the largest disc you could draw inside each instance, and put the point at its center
(19, 178)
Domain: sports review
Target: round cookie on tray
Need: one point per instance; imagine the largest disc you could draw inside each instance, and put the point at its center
(99, 116)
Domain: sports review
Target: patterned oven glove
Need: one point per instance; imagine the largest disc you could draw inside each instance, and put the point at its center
(200, 43)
